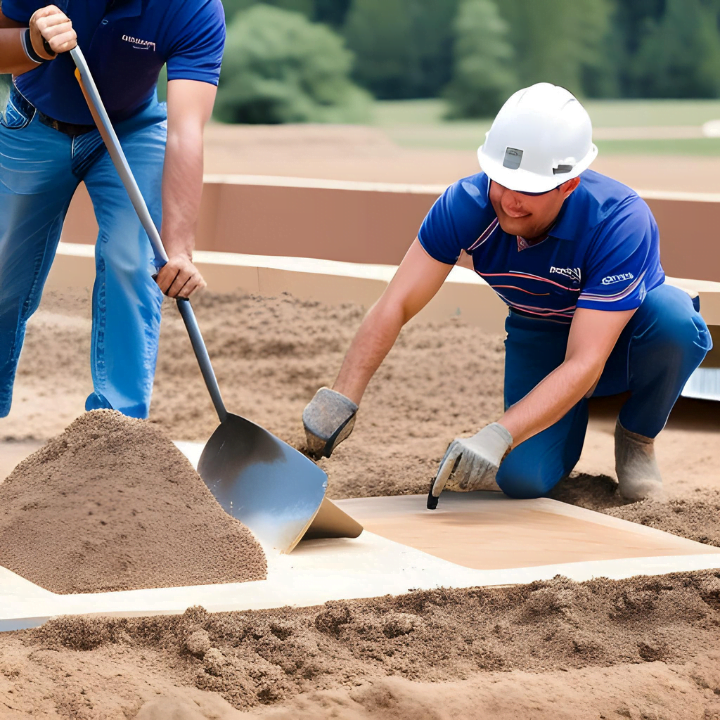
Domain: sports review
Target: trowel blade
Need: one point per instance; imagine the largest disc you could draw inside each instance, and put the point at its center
(269, 486)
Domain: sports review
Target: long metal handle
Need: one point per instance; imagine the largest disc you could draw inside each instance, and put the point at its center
(104, 126)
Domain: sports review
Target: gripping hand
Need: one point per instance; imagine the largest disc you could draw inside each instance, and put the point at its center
(471, 463)
(328, 419)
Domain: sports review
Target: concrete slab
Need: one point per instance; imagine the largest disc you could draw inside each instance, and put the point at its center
(372, 565)
(489, 531)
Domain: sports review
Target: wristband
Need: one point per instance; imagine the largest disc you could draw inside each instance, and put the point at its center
(48, 49)
(29, 49)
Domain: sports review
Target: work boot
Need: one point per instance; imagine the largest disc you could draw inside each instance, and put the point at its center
(637, 471)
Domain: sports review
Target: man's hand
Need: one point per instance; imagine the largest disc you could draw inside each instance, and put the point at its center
(471, 463)
(51, 32)
(328, 419)
(179, 278)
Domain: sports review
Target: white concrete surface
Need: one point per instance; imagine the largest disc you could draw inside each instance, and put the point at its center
(318, 571)
(336, 569)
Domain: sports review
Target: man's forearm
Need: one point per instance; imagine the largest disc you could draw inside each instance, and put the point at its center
(181, 190)
(551, 400)
(374, 339)
(13, 59)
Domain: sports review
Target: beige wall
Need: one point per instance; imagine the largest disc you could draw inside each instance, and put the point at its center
(375, 223)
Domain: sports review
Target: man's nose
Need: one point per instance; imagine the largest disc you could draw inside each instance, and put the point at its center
(511, 200)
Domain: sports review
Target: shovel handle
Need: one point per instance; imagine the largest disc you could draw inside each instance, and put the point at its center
(107, 132)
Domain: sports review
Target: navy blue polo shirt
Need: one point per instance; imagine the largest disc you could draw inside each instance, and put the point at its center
(602, 252)
(126, 43)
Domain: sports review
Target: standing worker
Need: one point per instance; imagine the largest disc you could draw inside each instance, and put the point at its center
(49, 144)
(575, 255)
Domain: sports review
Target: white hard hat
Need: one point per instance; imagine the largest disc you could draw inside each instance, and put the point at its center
(541, 138)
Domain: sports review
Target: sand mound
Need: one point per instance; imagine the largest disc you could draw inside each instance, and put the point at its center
(112, 504)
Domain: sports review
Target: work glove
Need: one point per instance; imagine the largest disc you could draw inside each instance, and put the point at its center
(328, 419)
(471, 463)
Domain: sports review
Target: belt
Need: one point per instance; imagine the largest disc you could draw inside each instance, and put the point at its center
(23, 105)
(71, 129)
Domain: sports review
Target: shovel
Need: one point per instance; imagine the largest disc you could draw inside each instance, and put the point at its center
(269, 486)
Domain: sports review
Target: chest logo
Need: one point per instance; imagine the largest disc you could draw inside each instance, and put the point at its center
(570, 273)
(610, 279)
(139, 44)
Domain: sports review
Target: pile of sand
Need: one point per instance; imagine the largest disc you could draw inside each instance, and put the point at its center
(112, 504)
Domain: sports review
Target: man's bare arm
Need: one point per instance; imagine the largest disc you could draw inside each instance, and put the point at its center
(415, 283)
(593, 335)
(190, 105)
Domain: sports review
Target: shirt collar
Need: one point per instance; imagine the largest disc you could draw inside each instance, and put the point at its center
(124, 9)
(565, 225)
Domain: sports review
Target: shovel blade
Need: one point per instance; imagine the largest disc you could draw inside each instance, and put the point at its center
(269, 486)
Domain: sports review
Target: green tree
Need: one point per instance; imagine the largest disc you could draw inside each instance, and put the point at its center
(403, 47)
(331, 12)
(279, 67)
(679, 56)
(232, 7)
(557, 41)
(483, 76)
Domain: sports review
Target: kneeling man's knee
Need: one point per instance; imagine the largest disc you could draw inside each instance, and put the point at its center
(522, 479)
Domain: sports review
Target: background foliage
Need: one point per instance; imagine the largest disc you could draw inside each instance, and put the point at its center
(475, 52)
(279, 67)
(307, 60)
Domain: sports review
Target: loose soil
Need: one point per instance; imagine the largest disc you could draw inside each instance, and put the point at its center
(563, 649)
(642, 648)
(112, 504)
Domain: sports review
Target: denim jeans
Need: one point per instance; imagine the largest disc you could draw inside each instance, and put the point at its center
(40, 169)
(662, 345)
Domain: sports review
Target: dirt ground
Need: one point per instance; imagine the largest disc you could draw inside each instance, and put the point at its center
(368, 154)
(644, 648)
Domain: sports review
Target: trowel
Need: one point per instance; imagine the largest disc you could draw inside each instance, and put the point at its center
(273, 489)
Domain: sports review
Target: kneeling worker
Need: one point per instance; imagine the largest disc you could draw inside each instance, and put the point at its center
(575, 255)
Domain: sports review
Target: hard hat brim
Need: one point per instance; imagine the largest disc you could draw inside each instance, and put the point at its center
(524, 181)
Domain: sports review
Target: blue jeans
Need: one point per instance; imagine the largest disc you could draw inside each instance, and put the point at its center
(40, 169)
(661, 346)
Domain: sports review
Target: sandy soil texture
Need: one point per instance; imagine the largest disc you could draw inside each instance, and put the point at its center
(565, 649)
(112, 504)
(643, 648)
(271, 354)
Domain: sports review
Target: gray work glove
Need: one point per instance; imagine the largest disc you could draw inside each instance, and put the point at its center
(328, 419)
(471, 463)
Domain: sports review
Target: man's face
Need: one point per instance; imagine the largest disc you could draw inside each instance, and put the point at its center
(528, 216)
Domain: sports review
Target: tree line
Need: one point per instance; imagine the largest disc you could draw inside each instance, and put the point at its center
(476, 52)
(324, 60)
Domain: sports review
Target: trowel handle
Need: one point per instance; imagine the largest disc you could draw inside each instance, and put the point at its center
(104, 126)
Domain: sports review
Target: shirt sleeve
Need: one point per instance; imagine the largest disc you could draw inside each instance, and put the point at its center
(625, 264)
(196, 53)
(456, 220)
(19, 11)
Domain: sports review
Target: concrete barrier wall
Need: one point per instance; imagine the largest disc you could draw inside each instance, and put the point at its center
(376, 222)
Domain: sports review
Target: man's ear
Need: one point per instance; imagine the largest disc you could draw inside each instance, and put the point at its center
(568, 188)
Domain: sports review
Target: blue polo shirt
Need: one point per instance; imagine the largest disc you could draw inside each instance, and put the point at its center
(602, 252)
(126, 43)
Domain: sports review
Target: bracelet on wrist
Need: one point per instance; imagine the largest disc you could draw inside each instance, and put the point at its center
(30, 50)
